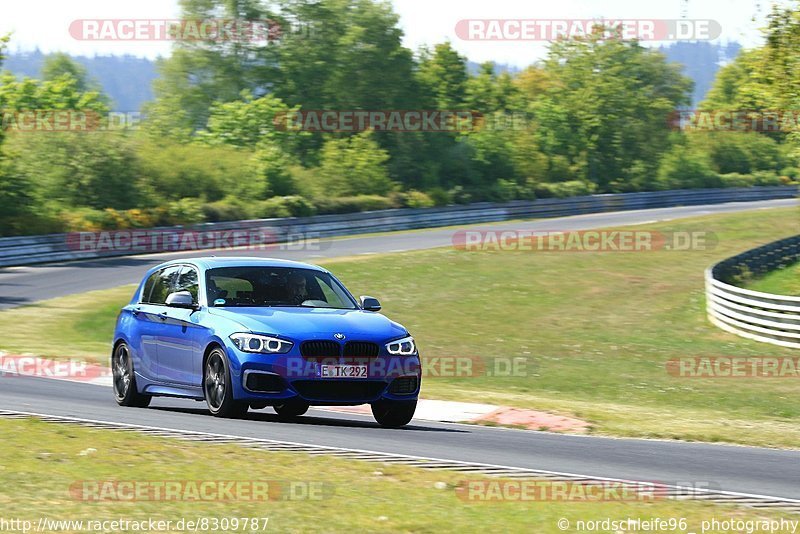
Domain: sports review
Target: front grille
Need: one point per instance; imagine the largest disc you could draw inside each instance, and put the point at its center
(360, 349)
(320, 349)
(265, 383)
(339, 390)
(405, 385)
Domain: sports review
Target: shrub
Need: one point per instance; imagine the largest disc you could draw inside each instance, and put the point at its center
(682, 169)
(288, 206)
(185, 211)
(572, 188)
(354, 204)
(227, 209)
(440, 196)
(767, 178)
(460, 195)
(735, 179)
(417, 199)
(790, 172)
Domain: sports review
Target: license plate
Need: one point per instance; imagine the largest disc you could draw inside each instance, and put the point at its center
(343, 371)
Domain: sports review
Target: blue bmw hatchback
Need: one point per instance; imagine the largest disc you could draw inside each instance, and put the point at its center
(245, 333)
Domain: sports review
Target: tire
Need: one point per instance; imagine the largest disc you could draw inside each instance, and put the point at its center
(124, 379)
(394, 414)
(218, 387)
(291, 409)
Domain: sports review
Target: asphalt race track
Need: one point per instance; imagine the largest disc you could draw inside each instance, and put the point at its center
(731, 468)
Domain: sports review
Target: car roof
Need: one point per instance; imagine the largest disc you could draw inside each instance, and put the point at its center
(214, 262)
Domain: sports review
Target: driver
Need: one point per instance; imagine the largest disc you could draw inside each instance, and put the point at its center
(297, 289)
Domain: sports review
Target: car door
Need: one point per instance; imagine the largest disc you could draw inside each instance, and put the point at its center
(147, 326)
(180, 335)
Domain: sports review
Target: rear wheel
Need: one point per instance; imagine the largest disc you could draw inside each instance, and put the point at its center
(291, 409)
(393, 414)
(124, 381)
(217, 387)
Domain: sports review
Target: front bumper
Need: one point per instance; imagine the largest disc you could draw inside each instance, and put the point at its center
(276, 378)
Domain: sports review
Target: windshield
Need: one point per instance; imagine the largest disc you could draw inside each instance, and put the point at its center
(275, 286)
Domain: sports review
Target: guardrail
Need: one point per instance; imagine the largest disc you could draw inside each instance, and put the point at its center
(753, 314)
(26, 250)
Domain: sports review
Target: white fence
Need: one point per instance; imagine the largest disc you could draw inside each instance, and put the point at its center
(753, 314)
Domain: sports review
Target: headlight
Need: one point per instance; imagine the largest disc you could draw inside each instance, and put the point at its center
(402, 347)
(261, 344)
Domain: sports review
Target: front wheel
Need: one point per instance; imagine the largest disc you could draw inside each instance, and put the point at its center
(124, 381)
(218, 388)
(394, 414)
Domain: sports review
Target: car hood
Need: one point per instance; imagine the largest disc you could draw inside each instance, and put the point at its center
(311, 323)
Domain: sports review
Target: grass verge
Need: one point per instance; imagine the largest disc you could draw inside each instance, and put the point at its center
(41, 464)
(784, 281)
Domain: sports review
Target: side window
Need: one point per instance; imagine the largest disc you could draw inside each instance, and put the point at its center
(164, 284)
(187, 281)
(148, 287)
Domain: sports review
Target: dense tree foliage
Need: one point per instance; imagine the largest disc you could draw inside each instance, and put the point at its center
(220, 140)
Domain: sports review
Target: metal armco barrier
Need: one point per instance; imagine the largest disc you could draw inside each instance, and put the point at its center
(753, 314)
(26, 250)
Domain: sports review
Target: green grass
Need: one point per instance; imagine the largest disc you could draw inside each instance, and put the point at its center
(784, 281)
(595, 328)
(40, 462)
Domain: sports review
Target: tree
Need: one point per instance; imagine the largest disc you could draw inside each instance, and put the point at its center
(60, 64)
(92, 169)
(354, 165)
(248, 122)
(607, 109)
(442, 77)
(201, 72)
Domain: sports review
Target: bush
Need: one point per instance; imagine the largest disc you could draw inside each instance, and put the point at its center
(440, 197)
(185, 211)
(353, 165)
(681, 169)
(735, 179)
(460, 195)
(790, 172)
(739, 152)
(417, 199)
(288, 206)
(572, 188)
(172, 171)
(354, 204)
(767, 178)
(227, 209)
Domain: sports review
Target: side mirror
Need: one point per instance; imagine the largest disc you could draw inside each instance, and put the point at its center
(370, 303)
(181, 299)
